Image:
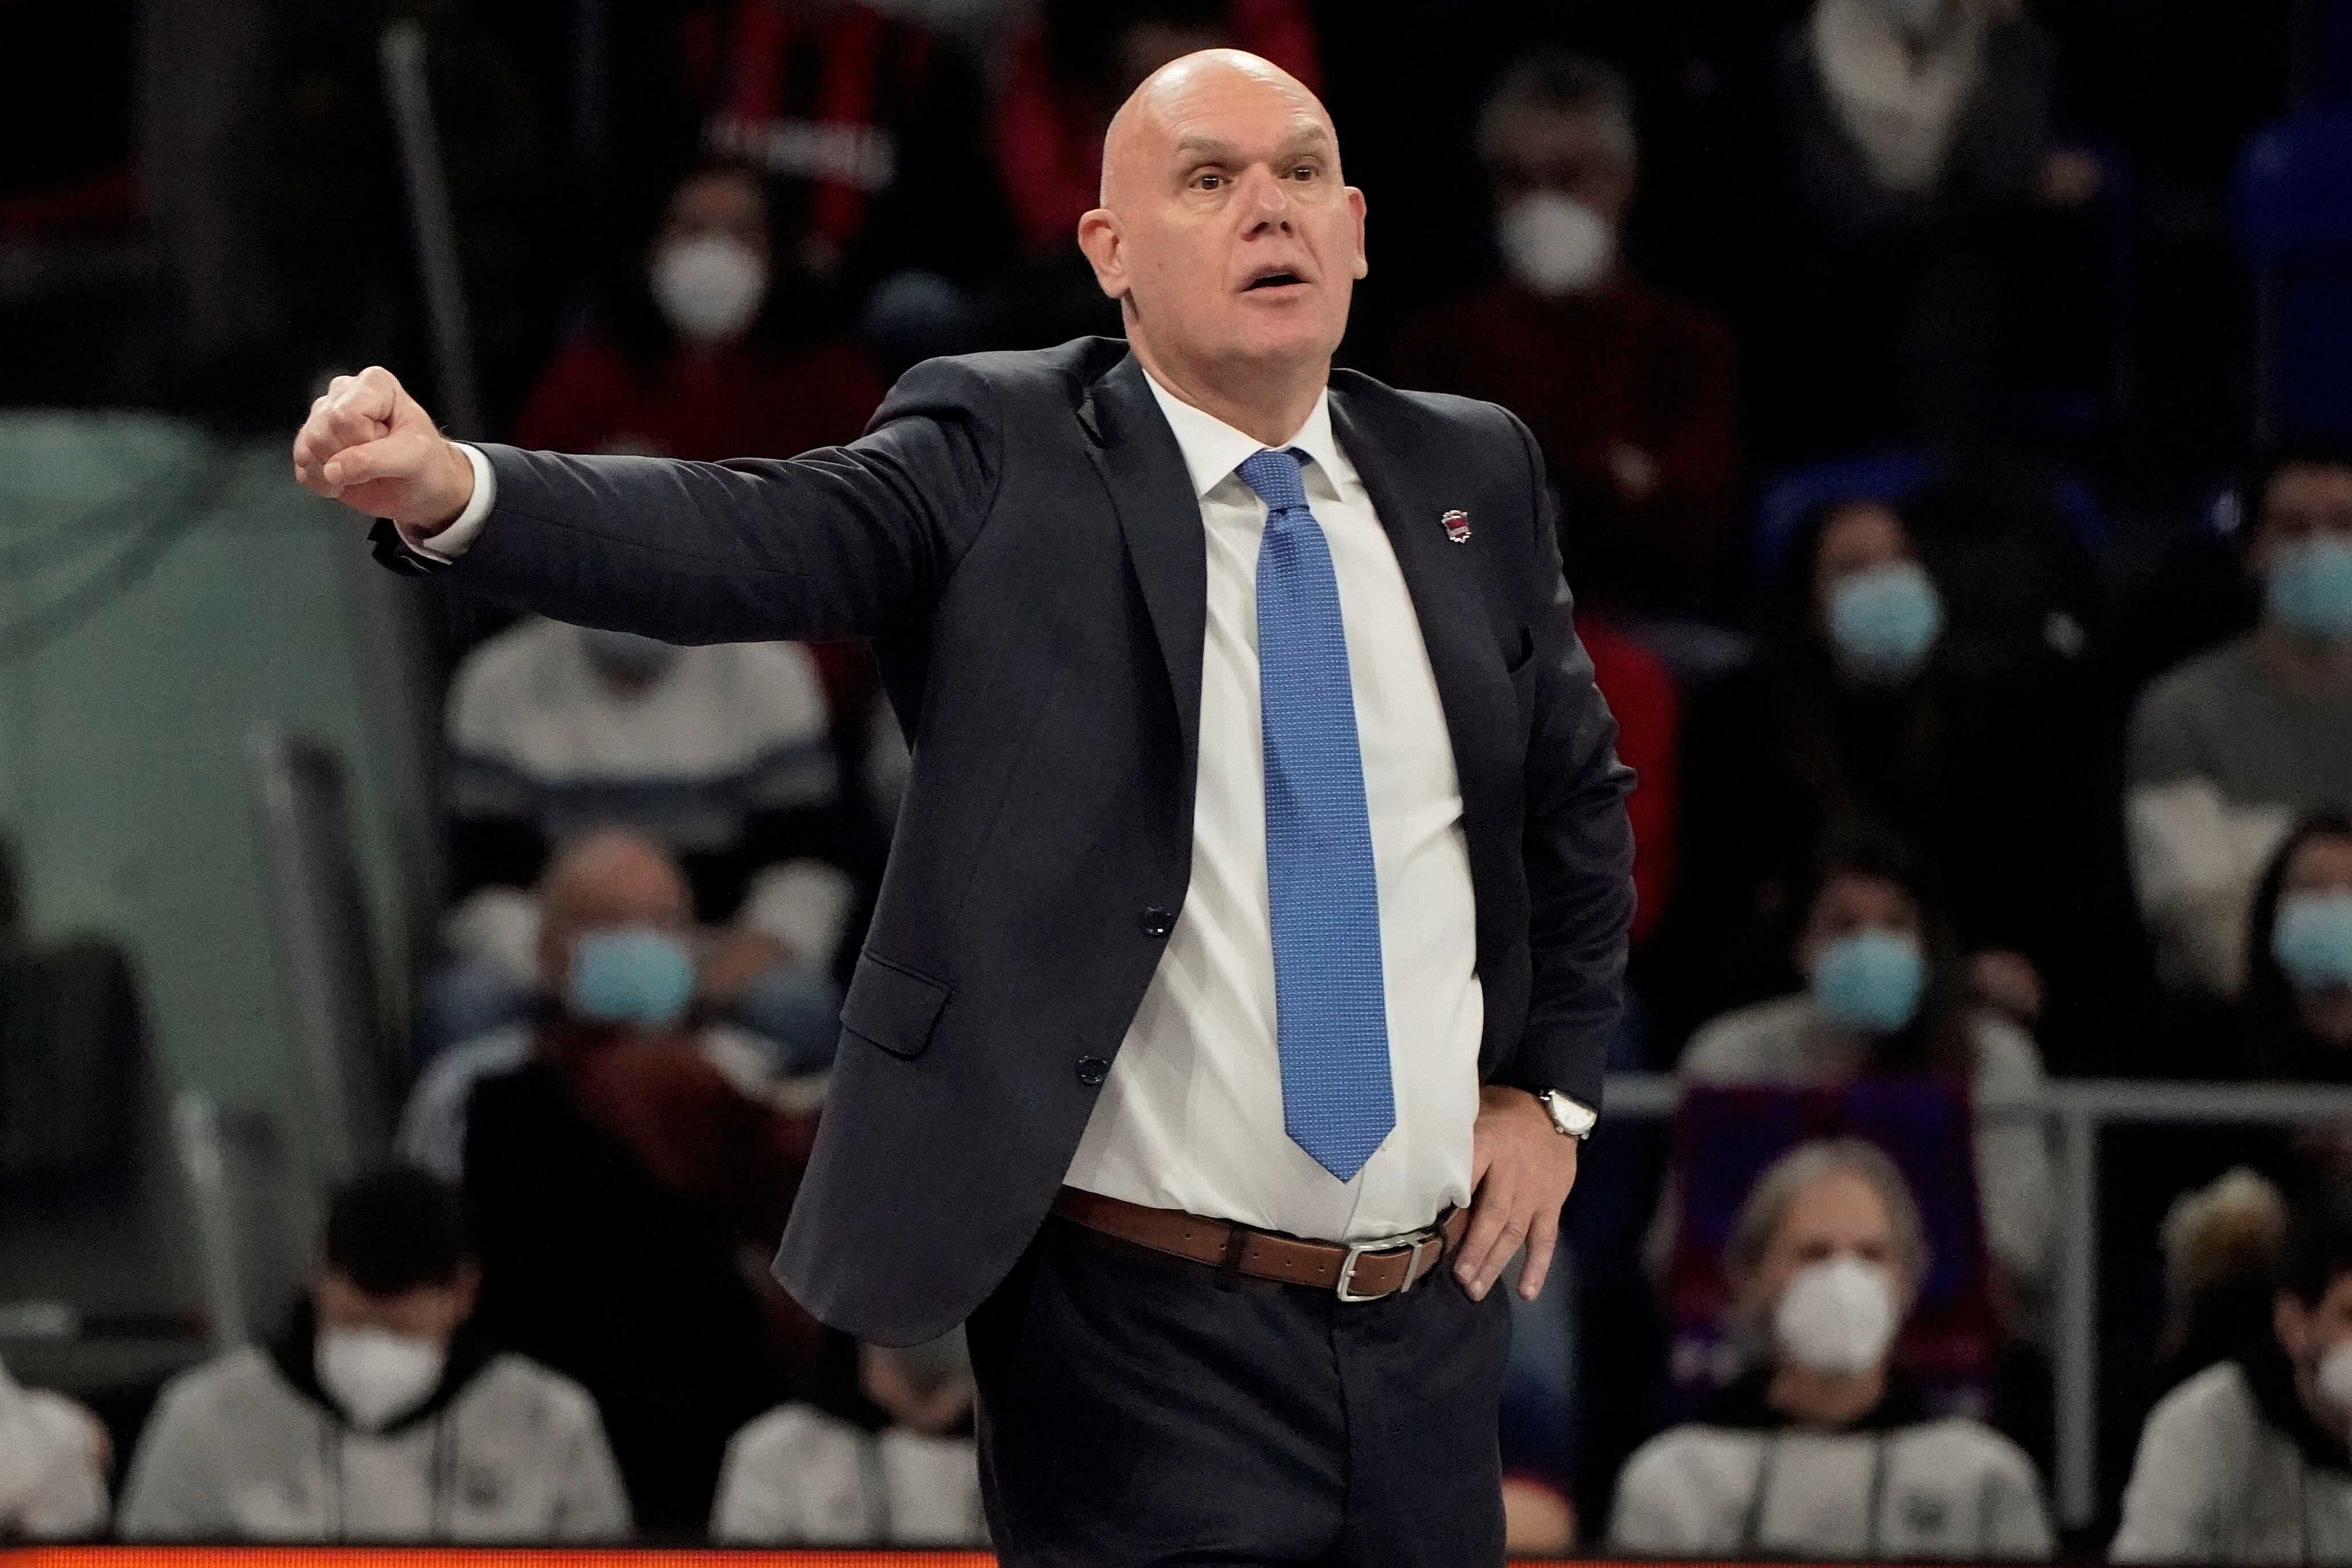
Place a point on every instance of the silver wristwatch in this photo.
(1569, 1117)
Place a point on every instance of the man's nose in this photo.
(1266, 201)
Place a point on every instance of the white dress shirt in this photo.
(1190, 1116)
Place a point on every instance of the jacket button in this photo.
(1092, 1070)
(1157, 922)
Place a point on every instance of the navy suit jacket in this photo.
(1018, 535)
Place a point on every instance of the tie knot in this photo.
(1276, 479)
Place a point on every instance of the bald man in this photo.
(1237, 994)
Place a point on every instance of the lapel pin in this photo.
(1457, 527)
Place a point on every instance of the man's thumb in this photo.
(390, 457)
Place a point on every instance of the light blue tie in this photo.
(1330, 999)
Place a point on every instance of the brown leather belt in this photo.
(1354, 1271)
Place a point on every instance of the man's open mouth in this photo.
(1272, 281)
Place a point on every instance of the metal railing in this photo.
(2077, 1111)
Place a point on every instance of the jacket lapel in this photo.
(1152, 492)
(1474, 687)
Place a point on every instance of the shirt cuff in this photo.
(458, 537)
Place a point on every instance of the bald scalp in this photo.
(607, 866)
(1141, 132)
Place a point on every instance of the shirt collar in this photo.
(1213, 450)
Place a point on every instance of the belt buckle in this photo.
(1411, 1241)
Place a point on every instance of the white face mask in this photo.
(1554, 246)
(2334, 1379)
(1837, 1316)
(708, 289)
(376, 1374)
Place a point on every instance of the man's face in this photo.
(1839, 1216)
(427, 1312)
(2304, 501)
(1565, 151)
(1227, 229)
(723, 203)
(2307, 1331)
(611, 884)
(1850, 902)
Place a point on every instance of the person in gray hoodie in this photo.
(1823, 1450)
(378, 1415)
(2247, 1461)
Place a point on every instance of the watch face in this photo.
(1571, 1118)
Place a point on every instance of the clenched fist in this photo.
(371, 447)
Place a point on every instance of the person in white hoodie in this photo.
(1823, 1450)
(378, 1415)
(801, 1476)
(53, 1463)
(2248, 1460)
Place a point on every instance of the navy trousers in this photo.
(1137, 1409)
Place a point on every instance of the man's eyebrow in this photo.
(1216, 150)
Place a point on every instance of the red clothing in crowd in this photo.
(1049, 134)
(1642, 694)
(737, 403)
(1624, 366)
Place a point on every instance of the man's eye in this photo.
(1209, 182)
(1304, 171)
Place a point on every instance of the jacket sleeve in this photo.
(173, 1491)
(594, 1505)
(2172, 1505)
(1579, 843)
(852, 541)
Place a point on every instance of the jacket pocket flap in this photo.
(893, 1008)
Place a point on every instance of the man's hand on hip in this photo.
(371, 447)
(1521, 1169)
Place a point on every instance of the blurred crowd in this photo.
(1989, 687)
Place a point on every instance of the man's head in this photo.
(615, 914)
(712, 257)
(2310, 1312)
(396, 1257)
(2299, 537)
(1827, 1256)
(1556, 139)
(1226, 231)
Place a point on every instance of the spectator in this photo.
(1882, 997)
(606, 886)
(799, 1477)
(620, 1165)
(380, 1414)
(2246, 1462)
(1632, 393)
(871, 132)
(53, 1461)
(722, 754)
(2221, 1244)
(2228, 750)
(1821, 1449)
(1919, 137)
(713, 347)
(1865, 703)
(2297, 1007)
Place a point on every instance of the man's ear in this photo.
(1098, 237)
(2291, 1321)
(1363, 256)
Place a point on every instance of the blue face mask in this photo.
(633, 976)
(2310, 589)
(2312, 940)
(1885, 620)
(1870, 982)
